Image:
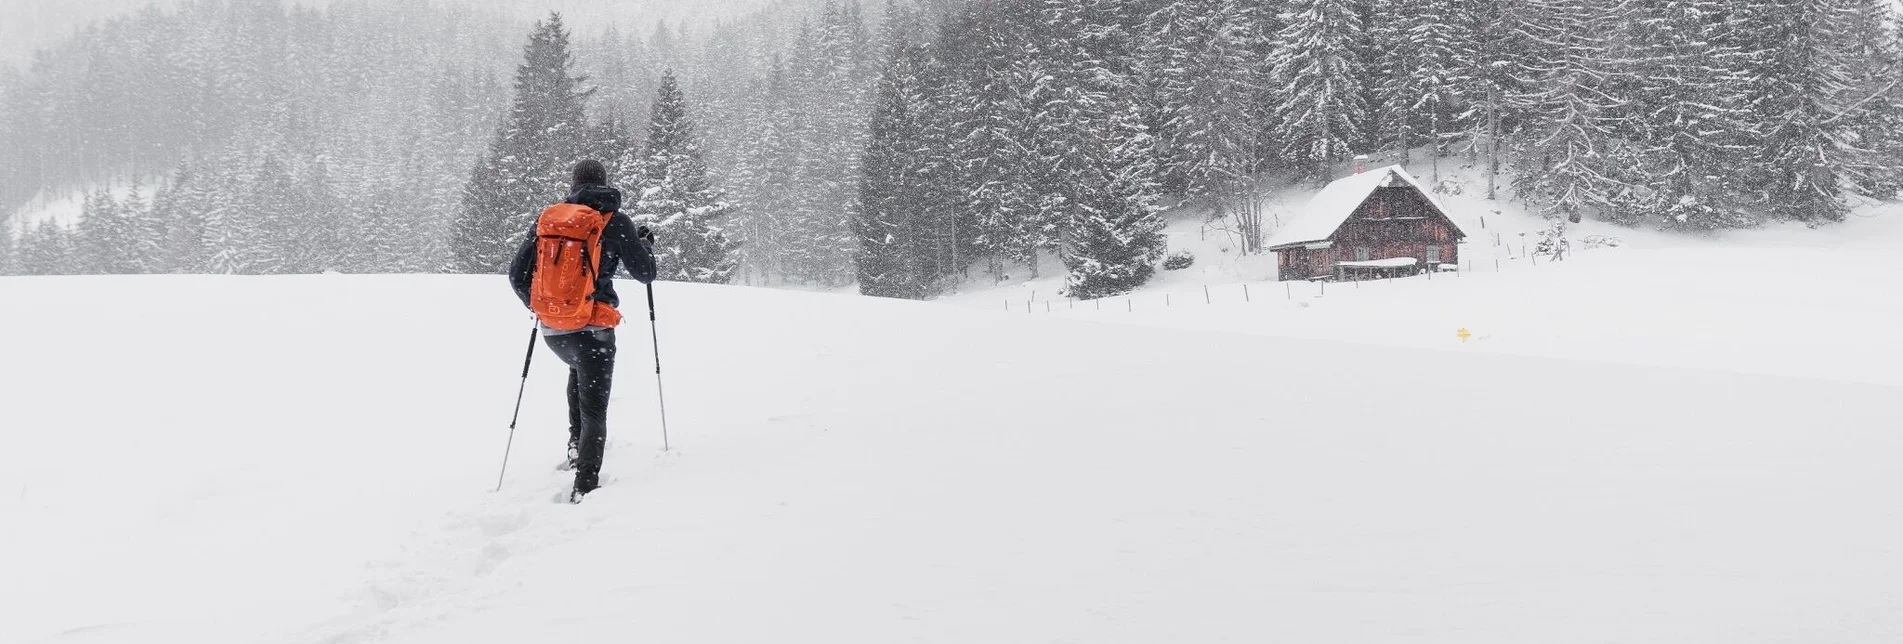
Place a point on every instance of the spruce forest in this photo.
(909, 147)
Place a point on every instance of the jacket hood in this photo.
(604, 199)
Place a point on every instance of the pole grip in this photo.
(530, 358)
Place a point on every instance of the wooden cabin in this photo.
(1373, 224)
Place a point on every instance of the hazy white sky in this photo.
(29, 24)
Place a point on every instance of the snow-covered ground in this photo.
(311, 460)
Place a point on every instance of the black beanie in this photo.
(590, 172)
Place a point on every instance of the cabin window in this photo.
(1361, 253)
(1433, 254)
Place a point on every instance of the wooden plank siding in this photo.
(1392, 222)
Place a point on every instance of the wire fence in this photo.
(1507, 258)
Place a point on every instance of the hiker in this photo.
(565, 273)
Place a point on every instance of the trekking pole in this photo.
(518, 408)
(659, 391)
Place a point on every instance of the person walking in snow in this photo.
(564, 272)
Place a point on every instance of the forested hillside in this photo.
(907, 146)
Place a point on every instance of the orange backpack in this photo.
(567, 259)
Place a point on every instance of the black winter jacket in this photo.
(619, 248)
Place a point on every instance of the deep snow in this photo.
(310, 459)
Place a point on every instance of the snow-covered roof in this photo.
(1335, 203)
(1392, 262)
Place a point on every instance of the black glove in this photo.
(644, 234)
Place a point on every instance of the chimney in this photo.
(1361, 163)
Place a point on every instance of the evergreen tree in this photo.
(1115, 239)
(1424, 103)
(1685, 118)
(275, 209)
(688, 215)
(180, 207)
(1875, 119)
(48, 249)
(769, 183)
(1497, 62)
(1566, 168)
(892, 222)
(9, 250)
(526, 167)
(992, 138)
(1801, 83)
(1317, 71)
(236, 240)
(1208, 89)
(1100, 161)
(104, 237)
(146, 245)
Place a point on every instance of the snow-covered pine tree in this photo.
(48, 249)
(1496, 62)
(770, 185)
(838, 108)
(179, 207)
(1316, 72)
(1564, 165)
(104, 236)
(1682, 125)
(9, 249)
(236, 241)
(1114, 236)
(1098, 159)
(1876, 116)
(674, 197)
(1801, 89)
(147, 237)
(1207, 83)
(950, 224)
(1384, 54)
(989, 145)
(890, 223)
(1423, 102)
(276, 208)
(526, 167)
(335, 236)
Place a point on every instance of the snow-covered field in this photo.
(311, 460)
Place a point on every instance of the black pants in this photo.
(591, 369)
